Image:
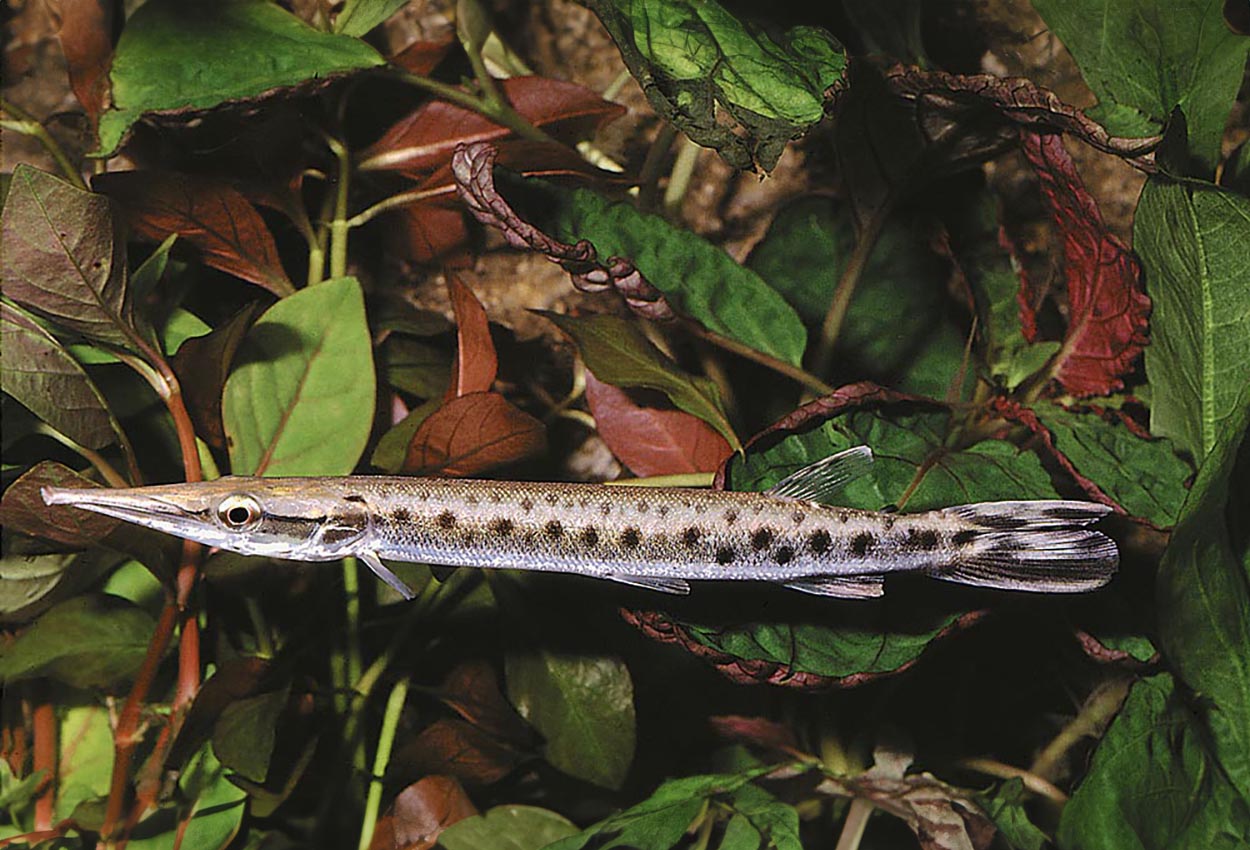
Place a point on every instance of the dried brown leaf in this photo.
(420, 813)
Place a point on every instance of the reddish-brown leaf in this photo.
(420, 813)
(422, 57)
(471, 690)
(476, 362)
(210, 214)
(202, 365)
(458, 748)
(428, 232)
(471, 434)
(426, 138)
(22, 509)
(84, 28)
(757, 732)
(1107, 310)
(649, 435)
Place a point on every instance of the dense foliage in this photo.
(313, 242)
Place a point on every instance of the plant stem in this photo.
(679, 177)
(1032, 781)
(791, 371)
(338, 224)
(351, 673)
(264, 641)
(401, 200)
(44, 755)
(28, 126)
(831, 327)
(107, 471)
(1097, 711)
(502, 113)
(855, 824)
(649, 174)
(386, 740)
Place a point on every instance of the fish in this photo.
(655, 538)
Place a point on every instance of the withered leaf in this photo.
(210, 214)
(471, 434)
(650, 436)
(84, 28)
(420, 812)
(476, 361)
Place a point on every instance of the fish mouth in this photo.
(122, 504)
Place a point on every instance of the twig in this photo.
(403, 199)
(835, 317)
(1098, 710)
(107, 471)
(44, 755)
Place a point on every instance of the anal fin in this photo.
(383, 572)
(844, 587)
(677, 586)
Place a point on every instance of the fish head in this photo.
(307, 519)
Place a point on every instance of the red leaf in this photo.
(471, 690)
(452, 746)
(756, 732)
(422, 57)
(22, 508)
(653, 438)
(211, 215)
(476, 362)
(428, 232)
(202, 365)
(1107, 310)
(471, 434)
(426, 138)
(84, 28)
(420, 813)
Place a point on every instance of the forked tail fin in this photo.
(1043, 547)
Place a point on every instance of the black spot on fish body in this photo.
(963, 538)
(798, 517)
(496, 496)
(631, 538)
(554, 529)
(663, 511)
(923, 539)
(844, 516)
(783, 555)
(642, 506)
(690, 537)
(354, 497)
(502, 526)
(551, 499)
(888, 522)
(471, 499)
(724, 555)
(590, 537)
(527, 505)
(762, 539)
(819, 542)
(731, 517)
(401, 515)
(605, 508)
(446, 520)
(862, 543)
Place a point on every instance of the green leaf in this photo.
(661, 821)
(36, 370)
(583, 705)
(1192, 238)
(507, 828)
(695, 61)
(698, 278)
(619, 353)
(1204, 596)
(244, 735)
(1102, 451)
(29, 585)
(1005, 807)
(178, 56)
(85, 762)
(416, 367)
(897, 332)
(88, 641)
(61, 259)
(1143, 58)
(1152, 786)
(360, 16)
(301, 400)
(217, 808)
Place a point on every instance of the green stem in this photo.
(264, 641)
(791, 371)
(338, 224)
(1095, 714)
(28, 126)
(107, 471)
(683, 170)
(649, 174)
(501, 113)
(403, 199)
(835, 317)
(386, 741)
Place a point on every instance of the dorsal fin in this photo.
(823, 478)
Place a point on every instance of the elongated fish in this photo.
(649, 537)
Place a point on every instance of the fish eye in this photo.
(239, 512)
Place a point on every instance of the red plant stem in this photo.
(44, 723)
(126, 737)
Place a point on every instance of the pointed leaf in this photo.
(84, 28)
(202, 365)
(38, 372)
(61, 259)
(22, 508)
(650, 438)
(210, 214)
(461, 750)
(508, 828)
(175, 57)
(471, 434)
(420, 813)
(244, 736)
(211, 818)
(301, 400)
(85, 757)
(476, 362)
(358, 17)
(620, 354)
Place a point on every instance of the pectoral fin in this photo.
(381, 571)
(677, 586)
(845, 587)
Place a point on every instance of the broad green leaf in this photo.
(584, 707)
(182, 326)
(392, 448)
(698, 278)
(507, 828)
(30, 585)
(86, 757)
(1105, 451)
(360, 16)
(618, 353)
(87, 641)
(897, 332)
(661, 821)
(61, 259)
(696, 61)
(416, 367)
(179, 56)
(1152, 786)
(217, 808)
(244, 735)
(38, 372)
(1192, 238)
(1005, 807)
(1204, 596)
(1143, 58)
(300, 402)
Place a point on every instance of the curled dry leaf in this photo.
(471, 434)
(953, 102)
(210, 214)
(1107, 310)
(473, 167)
(420, 812)
(650, 436)
(476, 362)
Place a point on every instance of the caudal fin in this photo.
(1043, 547)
